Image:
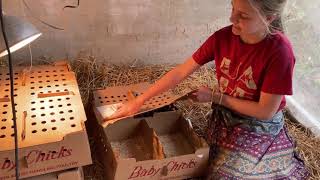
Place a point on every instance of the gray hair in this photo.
(270, 8)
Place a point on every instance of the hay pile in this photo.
(92, 75)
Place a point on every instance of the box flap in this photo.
(107, 100)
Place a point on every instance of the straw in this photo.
(92, 75)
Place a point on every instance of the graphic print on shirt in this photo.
(225, 66)
(246, 79)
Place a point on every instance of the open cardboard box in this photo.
(50, 121)
(163, 146)
(70, 174)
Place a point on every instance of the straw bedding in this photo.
(92, 75)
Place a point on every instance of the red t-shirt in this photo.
(244, 70)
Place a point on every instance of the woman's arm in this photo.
(262, 110)
(171, 79)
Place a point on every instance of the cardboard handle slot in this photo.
(23, 134)
(4, 99)
(45, 95)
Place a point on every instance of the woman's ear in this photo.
(271, 18)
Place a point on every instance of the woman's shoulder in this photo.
(280, 43)
(227, 30)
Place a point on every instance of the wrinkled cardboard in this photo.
(71, 174)
(107, 100)
(180, 163)
(50, 121)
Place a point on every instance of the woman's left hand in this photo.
(205, 94)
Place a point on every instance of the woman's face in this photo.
(246, 20)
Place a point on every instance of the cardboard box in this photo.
(107, 100)
(160, 147)
(50, 121)
(70, 174)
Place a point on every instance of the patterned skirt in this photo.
(246, 148)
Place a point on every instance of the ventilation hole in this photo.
(33, 102)
(3, 127)
(61, 112)
(51, 106)
(62, 119)
(41, 101)
(49, 91)
(47, 81)
(5, 112)
(101, 102)
(32, 93)
(53, 120)
(64, 84)
(4, 120)
(124, 96)
(118, 96)
(69, 104)
(56, 85)
(40, 87)
(52, 113)
(54, 128)
(73, 125)
(6, 105)
(34, 131)
(33, 116)
(59, 99)
(34, 123)
(59, 105)
(50, 100)
(44, 130)
(42, 108)
(67, 98)
(43, 114)
(2, 136)
(48, 86)
(106, 97)
(12, 135)
(71, 118)
(58, 90)
(43, 122)
(40, 81)
(112, 96)
(32, 109)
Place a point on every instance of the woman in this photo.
(254, 64)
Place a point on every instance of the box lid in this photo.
(107, 100)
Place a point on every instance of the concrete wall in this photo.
(152, 31)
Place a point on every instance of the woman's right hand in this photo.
(127, 109)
